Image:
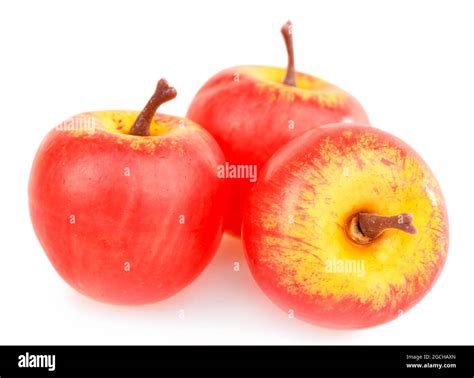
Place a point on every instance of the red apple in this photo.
(346, 227)
(254, 110)
(128, 206)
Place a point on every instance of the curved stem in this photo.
(363, 228)
(163, 93)
(287, 31)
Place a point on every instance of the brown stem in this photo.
(163, 93)
(287, 31)
(363, 228)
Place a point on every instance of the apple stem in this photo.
(287, 31)
(365, 227)
(163, 93)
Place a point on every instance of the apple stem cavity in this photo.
(287, 31)
(163, 93)
(363, 228)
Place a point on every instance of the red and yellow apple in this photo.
(254, 110)
(127, 205)
(346, 227)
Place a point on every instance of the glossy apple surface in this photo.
(296, 222)
(123, 218)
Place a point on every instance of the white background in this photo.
(410, 63)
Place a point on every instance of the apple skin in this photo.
(294, 225)
(255, 115)
(120, 238)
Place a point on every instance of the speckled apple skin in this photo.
(295, 218)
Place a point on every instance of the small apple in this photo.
(346, 227)
(254, 110)
(127, 205)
